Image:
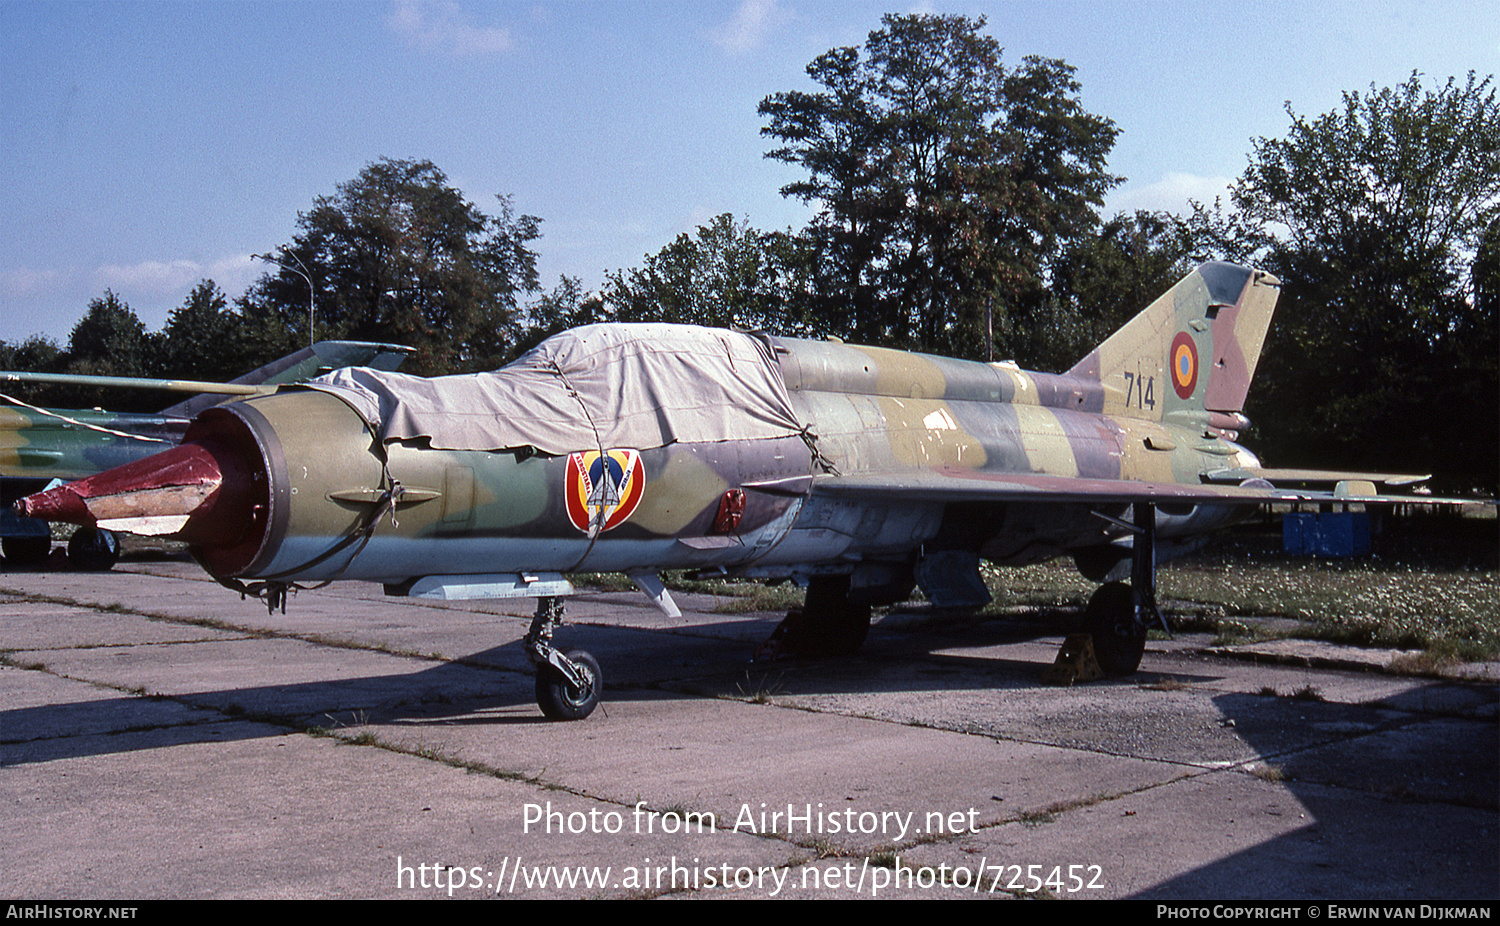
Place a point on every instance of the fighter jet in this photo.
(40, 445)
(859, 472)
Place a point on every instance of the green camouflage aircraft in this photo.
(39, 445)
(856, 471)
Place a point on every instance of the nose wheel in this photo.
(561, 697)
(568, 684)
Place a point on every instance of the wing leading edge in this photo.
(960, 486)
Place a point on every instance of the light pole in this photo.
(301, 271)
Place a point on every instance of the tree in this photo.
(566, 306)
(1413, 170)
(1373, 216)
(203, 339)
(945, 181)
(1487, 275)
(36, 354)
(726, 274)
(265, 330)
(110, 338)
(1101, 281)
(399, 255)
(110, 341)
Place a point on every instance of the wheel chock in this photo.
(1075, 662)
(786, 639)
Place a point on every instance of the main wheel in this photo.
(93, 550)
(1119, 639)
(832, 624)
(560, 700)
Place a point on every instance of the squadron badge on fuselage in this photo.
(603, 489)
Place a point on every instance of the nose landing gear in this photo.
(568, 685)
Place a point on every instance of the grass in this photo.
(1435, 589)
(759, 693)
(762, 598)
(1037, 817)
(1163, 684)
(1433, 586)
(1307, 693)
(739, 597)
(1268, 772)
(7, 659)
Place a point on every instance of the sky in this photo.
(154, 145)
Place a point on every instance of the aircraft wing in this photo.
(297, 367)
(1308, 478)
(132, 382)
(38, 444)
(960, 485)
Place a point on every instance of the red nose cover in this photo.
(198, 492)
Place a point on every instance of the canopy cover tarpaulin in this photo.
(606, 386)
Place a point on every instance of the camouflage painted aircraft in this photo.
(39, 445)
(637, 448)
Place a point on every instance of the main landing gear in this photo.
(568, 685)
(92, 549)
(830, 622)
(1118, 615)
(89, 550)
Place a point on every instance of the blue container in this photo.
(1327, 534)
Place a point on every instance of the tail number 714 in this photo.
(1140, 391)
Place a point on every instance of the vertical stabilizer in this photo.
(1192, 350)
(303, 365)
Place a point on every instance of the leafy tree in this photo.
(726, 274)
(945, 181)
(265, 333)
(1101, 281)
(110, 338)
(203, 339)
(1373, 216)
(1415, 170)
(1487, 275)
(566, 306)
(399, 255)
(36, 354)
(110, 341)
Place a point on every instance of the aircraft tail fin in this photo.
(1192, 350)
(303, 365)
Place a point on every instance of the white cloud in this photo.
(753, 21)
(50, 301)
(1169, 194)
(25, 282)
(151, 276)
(234, 274)
(168, 278)
(443, 26)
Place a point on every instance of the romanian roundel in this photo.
(1184, 361)
(603, 489)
